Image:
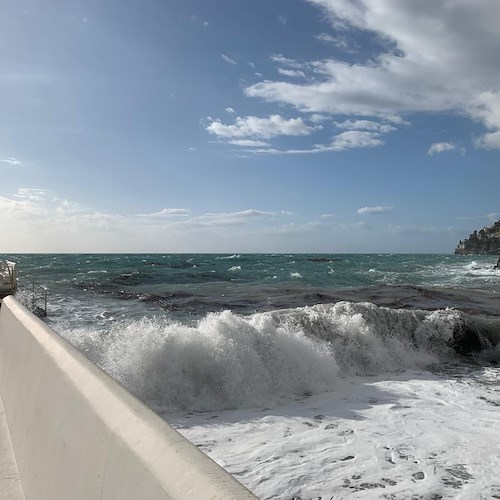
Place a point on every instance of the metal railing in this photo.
(38, 298)
(29, 292)
(33, 296)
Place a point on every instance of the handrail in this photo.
(32, 293)
(38, 294)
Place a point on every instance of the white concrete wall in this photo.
(77, 434)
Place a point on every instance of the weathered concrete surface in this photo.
(77, 434)
(10, 484)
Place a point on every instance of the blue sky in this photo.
(235, 126)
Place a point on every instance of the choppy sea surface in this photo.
(305, 376)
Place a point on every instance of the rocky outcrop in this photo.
(485, 242)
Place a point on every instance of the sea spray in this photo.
(224, 361)
(228, 361)
(367, 339)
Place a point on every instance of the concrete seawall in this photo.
(77, 434)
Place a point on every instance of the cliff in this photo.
(486, 242)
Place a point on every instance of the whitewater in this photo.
(303, 376)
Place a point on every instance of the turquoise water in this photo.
(190, 285)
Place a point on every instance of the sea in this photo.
(306, 376)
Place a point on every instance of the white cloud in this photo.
(228, 59)
(490, 140)
(282, 20)
(167, 212)
(285, 61)
(355, 139)
(383, 128)
(381, 209)
(38, 220)
(265, 128)
(34, 194)
(339, 41)
(435, 56)
(492, 217)
(229, 218)
(318, 118)
(242, 213)
(441, 147)
(350, 139)
(249, 143)
(12, 161)
(229, 110)
(293, 73)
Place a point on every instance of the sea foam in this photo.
(229, 361)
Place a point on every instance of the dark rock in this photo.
(467, 339)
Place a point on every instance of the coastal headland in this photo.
(483, 242)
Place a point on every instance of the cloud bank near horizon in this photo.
(40, 220)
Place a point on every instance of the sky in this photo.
(248, 125)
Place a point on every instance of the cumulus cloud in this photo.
(381, 209)
(293, 73)
(490, 140)
(264, 128)
(355, 139)
(441, 147)
(230, 110)
(228, 59)
(383, 128)
(434, 56)
(318, 118)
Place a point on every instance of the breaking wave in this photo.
(225, 360)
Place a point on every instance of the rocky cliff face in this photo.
(486, 242)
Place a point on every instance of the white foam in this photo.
(290, 416)
(224, 361)
(229, 361)
(415, 435)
